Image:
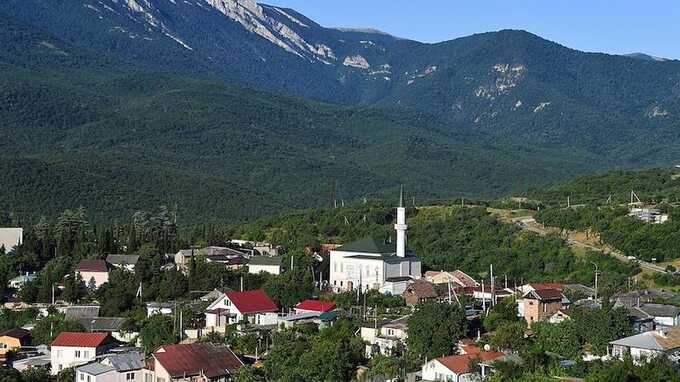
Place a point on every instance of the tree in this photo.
(434, 329)
(156, 331)
(290, 287)
(74, 288)
(67, 375)
(509, 336)
(54, 323)
(247, 373)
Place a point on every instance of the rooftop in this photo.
(371, 244)
(95, 368)
(252, 301)
(122, 259)
(88, 265)
(17, 333)
(266, 260)
(125, 361)
(193, 359)
(653, 340)
(102, 324)
(81, 339)
(316, 305)
(460, 364)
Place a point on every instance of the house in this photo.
(541, 304)
(113, 325)
(368, 263)
(663, 341)
(14, 339)
(253, 306)
(230, 257)
(75, 312)
(660, 314)
(71, 349)
(126, 367)
(384, 337)
(456, 368)
(456, 278)
(314, 306)
(40, 357)
(559, 316)
(320, 319)
(421, 291)
(127, 262)
(165, 308)
(21, 280)
(648, 215)
(10, 238)
(93, 272)
(395, 286)
(192, 362)
(267, 264)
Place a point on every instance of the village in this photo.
(376, 283)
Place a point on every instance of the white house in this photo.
(126, 367)
(385, 337)
(93, 272)
(370, 262)
(72, 349)
(456, 368)
(253, 306)
(267, 264)
(11, 238)
(21, 280)
(648, 344)
(164, 308)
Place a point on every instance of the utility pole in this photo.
(483, 299)
(493, 287)
(596, 274)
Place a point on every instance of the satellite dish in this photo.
(487, 347)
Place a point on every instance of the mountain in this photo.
(509, 84)
(646, 57)
(259, 107)
(80, 129)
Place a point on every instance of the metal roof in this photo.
(126, 361)
(95, 368)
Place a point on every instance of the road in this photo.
(618, 255)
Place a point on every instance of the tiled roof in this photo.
(557, 286)
(422, 289)
(79, 339)
(459, 364)
(465, 278)
(316, 305)
(92, 266)
(653, 340)
(17, 333)
(194, 359)
(252, 301)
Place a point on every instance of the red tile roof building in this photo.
(252, 301)
(92, 266)
(77, 339)
(182, 361)
(315, 306)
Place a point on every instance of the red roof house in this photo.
(314, 306)
(92, 266)
(182, 361)
(233, 307)
(78, 339)
(455, 366)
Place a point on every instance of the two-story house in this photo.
(541, 304)
(93, 272)
(385, 337)
(125, 367)
(253, 306)
(14, 339)
(72, 349)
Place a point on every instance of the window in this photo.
(340, 283)
(159, 379)
(60, 367)
(60, 353)
(130, 376)
(82, 376)
(86, 353)
(227, 302)
(88, 378)
(77, 353)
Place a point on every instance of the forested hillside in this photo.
(81, 130)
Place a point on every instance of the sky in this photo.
(610, 26)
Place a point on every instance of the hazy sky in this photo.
(612, 26)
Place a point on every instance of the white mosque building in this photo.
(371, 262)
